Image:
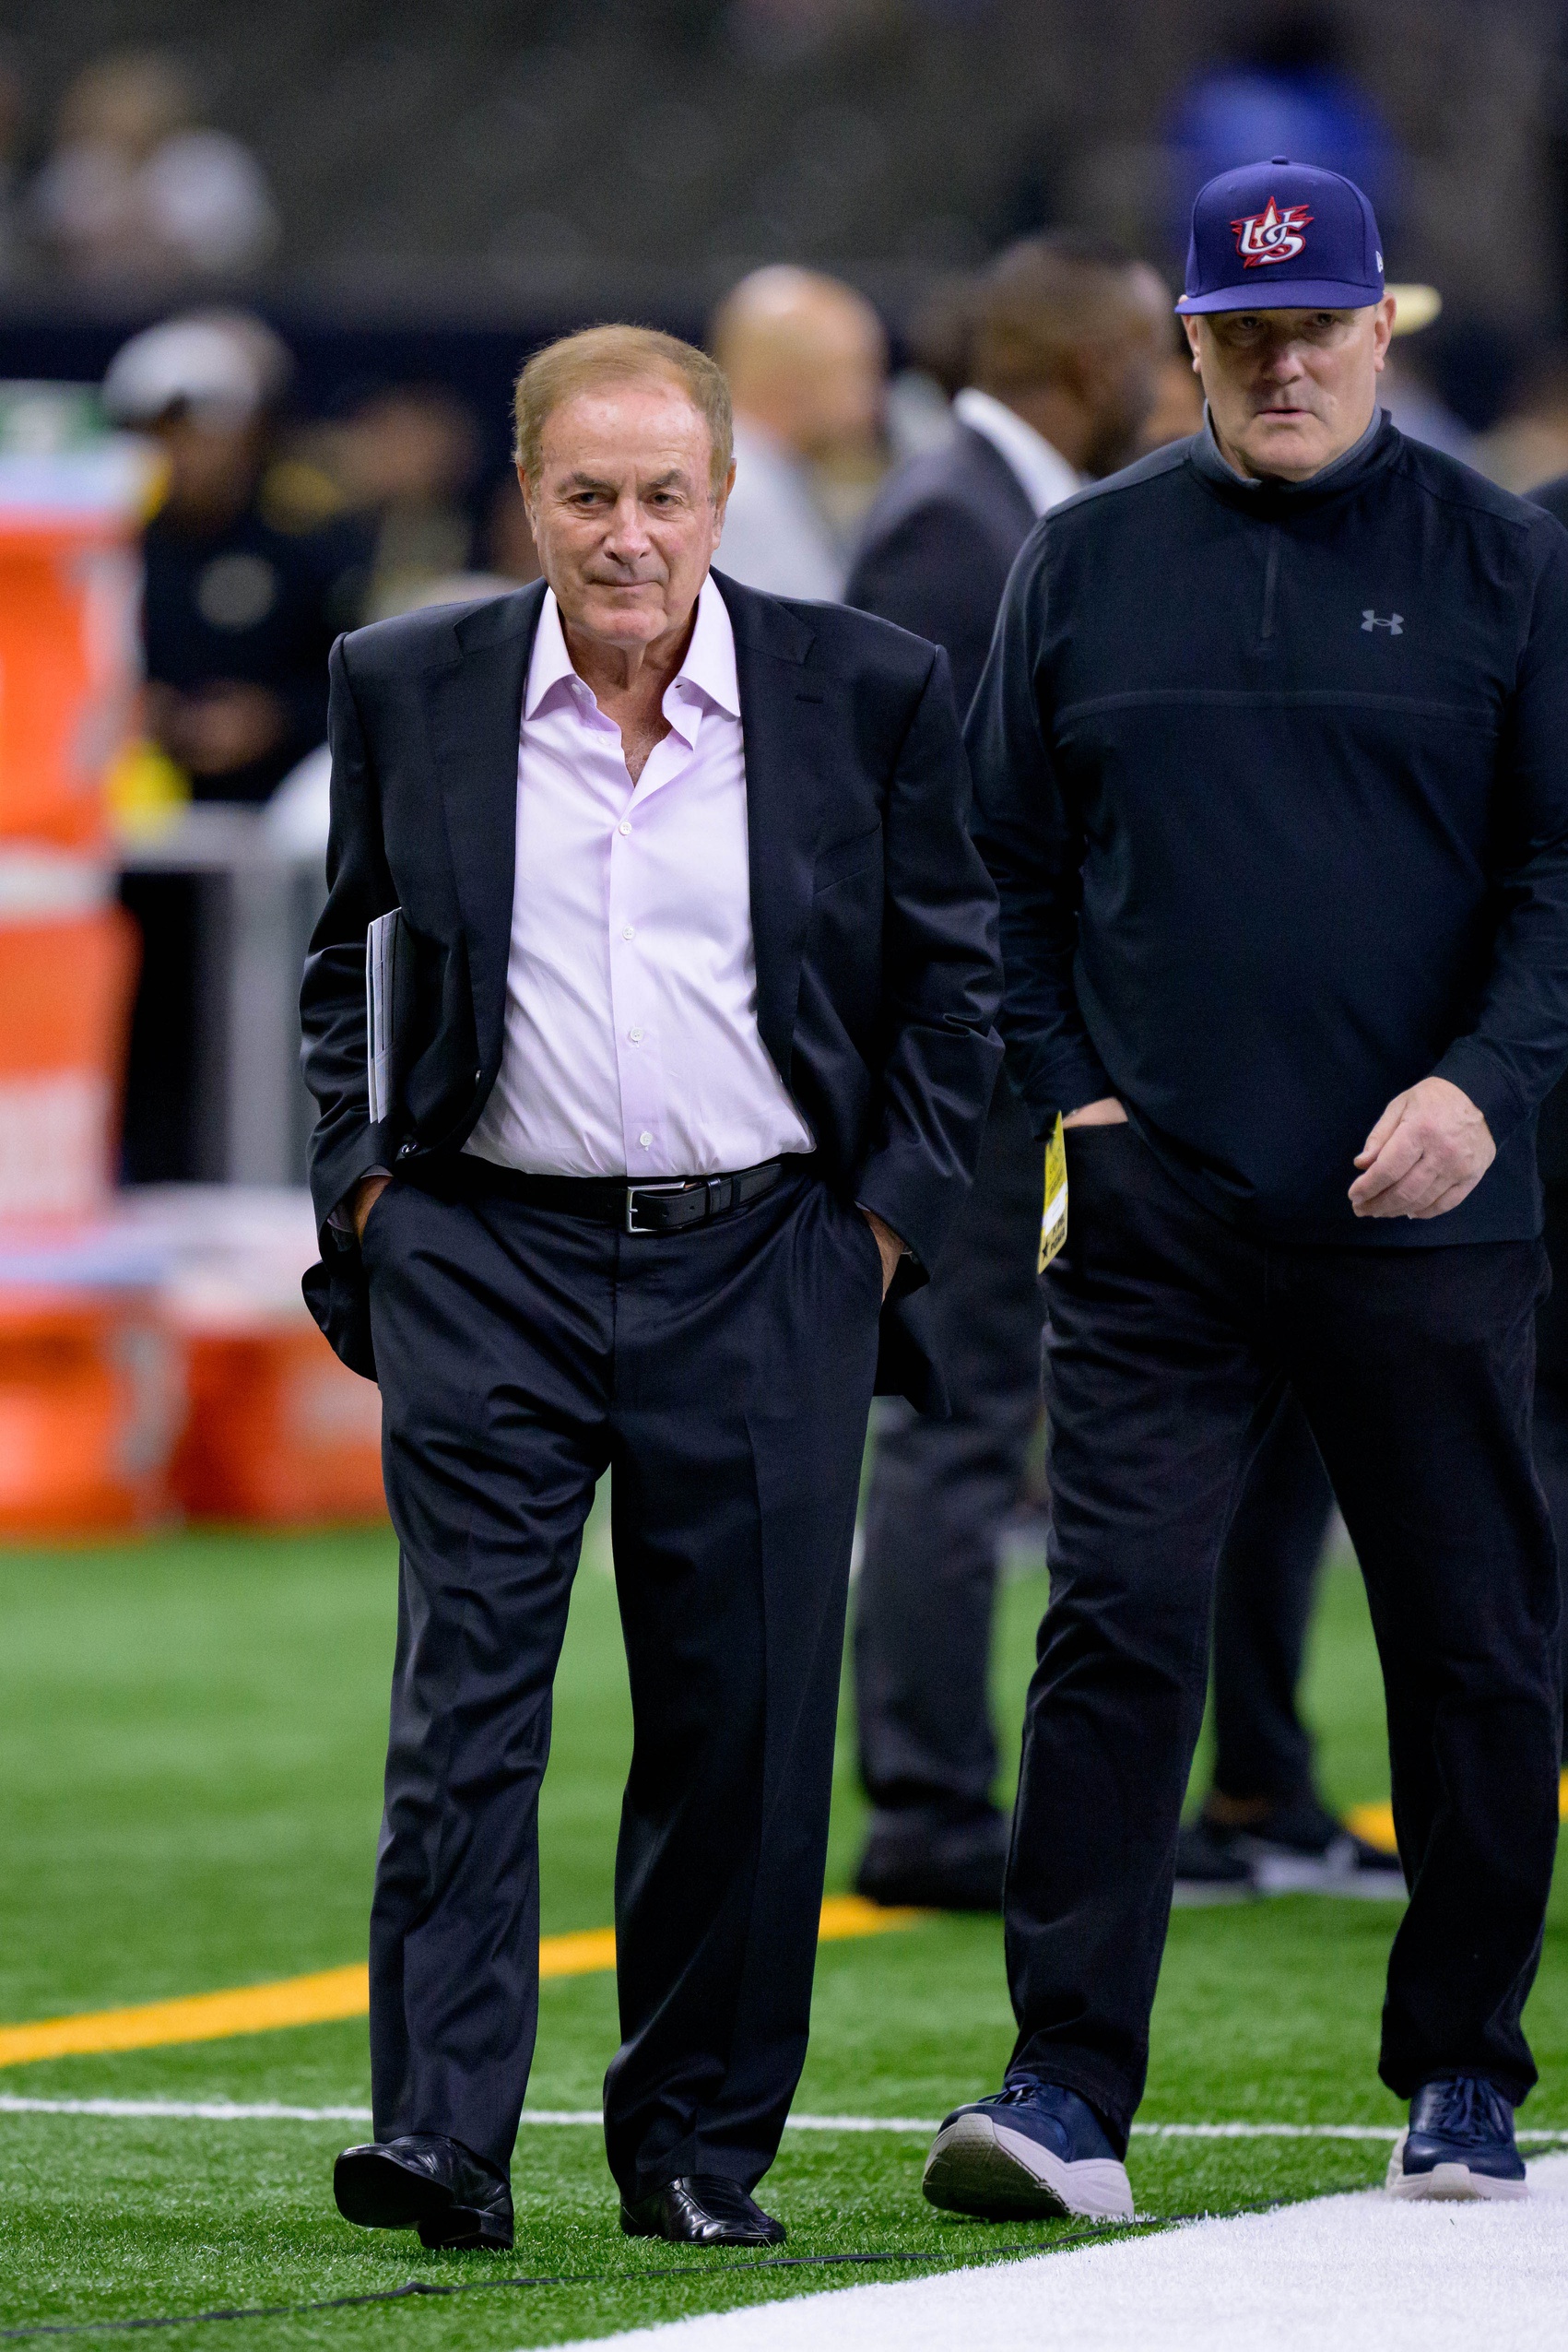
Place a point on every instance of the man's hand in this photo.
(1106, 1112)
(367, 1192)
(887, 1243)
(1427, 1152)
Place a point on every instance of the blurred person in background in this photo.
(240, 607)
(1177, 412)
(1528, 443)
(806, 361)
(1063, 338)
(13, 125)
(1286, 86)
(137, 186)
(405, 458)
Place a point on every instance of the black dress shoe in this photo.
(929, 1866)
(423, 2182)
(701, 2209)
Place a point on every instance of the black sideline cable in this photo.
(416, 2287)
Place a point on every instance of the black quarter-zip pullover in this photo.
(1273, 781)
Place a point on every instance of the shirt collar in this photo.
(1211, 459)
(1044, 474)
(709, 669)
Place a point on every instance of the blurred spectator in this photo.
(405, 459)
(806, 359)
(13, 119)
(509, 543)
(920, 396)
(240, 612)
(1408, 392)
(1177, 412)
(1529, 443)
(136, 184)
(1286, 89)
(1062, 352)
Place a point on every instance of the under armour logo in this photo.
(1394, 623)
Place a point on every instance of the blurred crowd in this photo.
(133, 186)
(277, 530)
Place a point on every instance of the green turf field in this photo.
(189, 1749)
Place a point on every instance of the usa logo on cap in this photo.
(1271, 235)
(1283, 236)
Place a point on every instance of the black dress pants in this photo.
(1263, 1595)
(939, 1492)
(1171, 1337)
(723, 1374)
(1551, 1392)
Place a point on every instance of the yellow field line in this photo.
(334, 1992)
(1375, 1823)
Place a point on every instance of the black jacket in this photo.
(936, 549)
(874, 921)
(1274, 784)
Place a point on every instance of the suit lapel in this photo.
(477, 715)
(783, 721)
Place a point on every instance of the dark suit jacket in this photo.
(874, 921)
(936, 549)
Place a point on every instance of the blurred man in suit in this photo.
(806, 361)
(1067, 338)
(691, 1050)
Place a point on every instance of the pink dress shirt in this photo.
(632, 1046)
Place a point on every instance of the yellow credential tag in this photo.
(1053, 1218)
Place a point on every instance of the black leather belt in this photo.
(662, 1207)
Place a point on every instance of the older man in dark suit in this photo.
(683, 1048)
(1066, 339)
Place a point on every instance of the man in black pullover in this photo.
(1271, 770)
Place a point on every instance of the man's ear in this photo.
(527, 501)
(1382, 331)
(1190, 329)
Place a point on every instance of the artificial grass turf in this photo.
(190, 1739)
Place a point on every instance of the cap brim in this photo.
(1284, 294)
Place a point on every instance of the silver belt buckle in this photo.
(670, 1183)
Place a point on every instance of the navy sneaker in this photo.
(1459, 2144)
(1034, 2152)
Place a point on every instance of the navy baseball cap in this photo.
(1283, 236)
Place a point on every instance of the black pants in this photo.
(1171, 1337)
(1551, 1393)
(1263, 1593)
(939, 1492)
(725, 1375)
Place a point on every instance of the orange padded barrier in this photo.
(66, 983)
(68, 671)
(90, 1399)
(280, 1434)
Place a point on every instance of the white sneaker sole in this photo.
(1446, 2183)
(978, 2166)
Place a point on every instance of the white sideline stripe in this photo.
(1361, 2273)
(223, 2110)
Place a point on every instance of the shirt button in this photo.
(635, 1036)
(623, 826)
(644, 1139)
(629, 931)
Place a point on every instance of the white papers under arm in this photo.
(381, 948)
